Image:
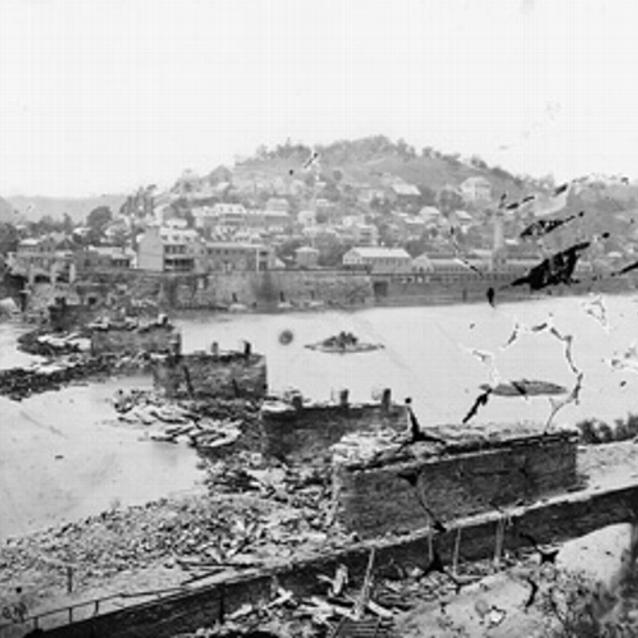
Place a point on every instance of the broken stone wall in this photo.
(376, 500)
(131, 342)
(206, 376)
(305, 433)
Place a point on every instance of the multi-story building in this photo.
(167, 249)
(43, 258)
(272, 220)
(230, 256)
(229, 217)
(378, 260)
(364, 234)
(278, 203)
(476, 189)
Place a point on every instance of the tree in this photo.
(45, 225)
(8, 238)
(478, 162)
(99, 218)
(448, 200)
(286, 251)
(331, 251)
(67, 224)
(427, 197)
(321, 217)
(120, 236)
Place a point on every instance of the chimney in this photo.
(214, 349)
(386, 399)
(297, 401)
(343, 398)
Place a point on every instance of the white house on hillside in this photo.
(476, 189)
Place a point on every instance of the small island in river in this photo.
(344, 343)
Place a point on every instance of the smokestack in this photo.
(343, 398)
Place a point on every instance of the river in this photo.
(63, 457)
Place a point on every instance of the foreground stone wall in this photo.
(304, 433)
(206, 376)
(571, 516)
(376, 500)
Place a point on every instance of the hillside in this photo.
(7, 213)
(34, 208)
(366, 161)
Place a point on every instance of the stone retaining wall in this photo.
(376, 500)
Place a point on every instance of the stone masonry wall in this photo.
(305, 434)
(376, 501)
(257, 290)
(121, 341)
(206, 376)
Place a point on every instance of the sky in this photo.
(106, 95)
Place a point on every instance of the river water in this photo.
(63, 457)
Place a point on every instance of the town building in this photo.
(367, 194)
(278, 203)
(231, 256)
(46, 258)
(364, 234)
(448, 266)
(169, 249)
(271, 220)
(403, 190)
(104, 258)
(229, 217)
(476, 189)
(378, 260)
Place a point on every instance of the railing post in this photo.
(96, 609)
(70, 614)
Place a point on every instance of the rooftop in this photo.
(374, 252)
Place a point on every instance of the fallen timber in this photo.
(554, 519)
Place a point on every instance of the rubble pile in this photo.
(206, 425)
(253, 515)
(19, 383)
(377, 606)
(47, 344)
(52, 374)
